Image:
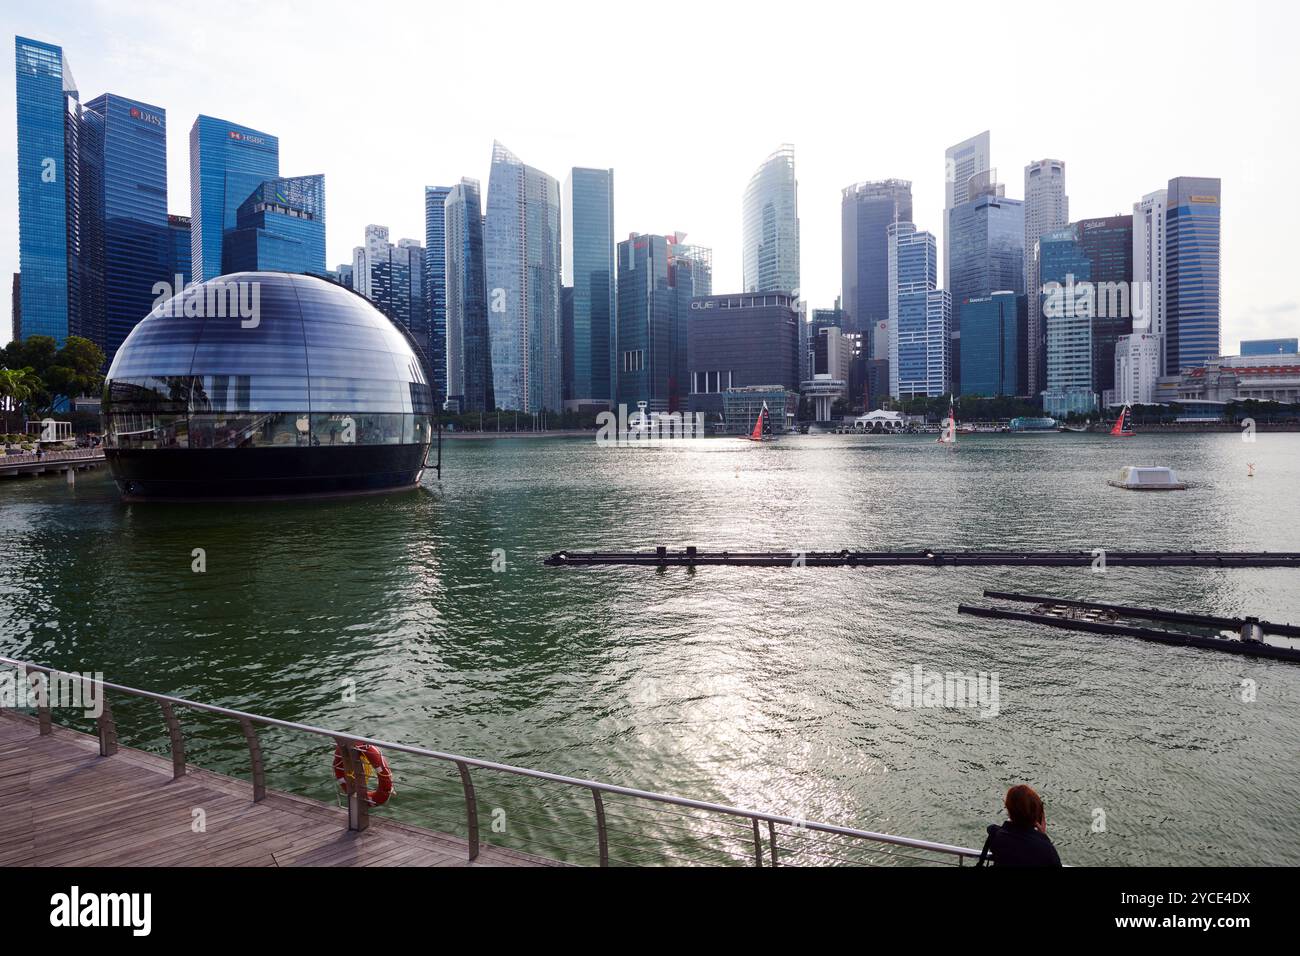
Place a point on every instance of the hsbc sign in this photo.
(246, 138)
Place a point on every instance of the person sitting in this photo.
(1022, 840)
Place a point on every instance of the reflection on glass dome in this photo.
(315, 392)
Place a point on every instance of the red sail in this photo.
(1122, 427)
(757, 434)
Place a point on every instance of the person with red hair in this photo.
(1022, 840)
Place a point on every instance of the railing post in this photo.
(42, 689)
(106, 727)
(758, 845)
(255, 756)
(771, 836)
(355, 775)
(602, 835)
(471, 809)
(178, 739)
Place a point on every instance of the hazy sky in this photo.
(685, 100)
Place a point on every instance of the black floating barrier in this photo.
(1177, 638)
(661, 557)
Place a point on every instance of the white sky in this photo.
(684, 100)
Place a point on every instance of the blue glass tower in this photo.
(1191, 272)
(993, 359)
(521, 239)
(469, 351)
(589, 269)
(178, 231)
(132, 201)
(46, 184)
(435, 285)
(920, 315)
(279, 227)
(986, 239)
(1065, 270)
(227, 162)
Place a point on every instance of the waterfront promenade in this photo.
(65, 805)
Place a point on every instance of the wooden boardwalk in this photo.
(64, 805)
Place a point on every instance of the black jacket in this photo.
(1015, 845)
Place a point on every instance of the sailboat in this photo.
(948, 435)
(762, 426)
(1123, 427)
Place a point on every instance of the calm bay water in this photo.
(768, 688)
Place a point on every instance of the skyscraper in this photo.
(920, 316)
(227, 162)
(130, 201)
(658, 276)
(435, 285)
(994, 357)
(1066, 274)
(986, 235)
(279, 227)
(1148, 263)
(1047, 208)
(47, 183)
(392, 277)
(178, 233)
(1192, 304)
(770, 235)
(469, 352)
(969, 158)
(866, 212)
(522, 258)
(1108, 244)
(590, 271)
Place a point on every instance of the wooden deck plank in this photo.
(67, 806)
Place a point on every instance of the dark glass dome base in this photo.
(224, 474)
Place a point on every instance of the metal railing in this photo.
(770, 837)
(78, 454)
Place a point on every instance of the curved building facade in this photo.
(264, 384)
(771, 226)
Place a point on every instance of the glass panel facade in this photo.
(320, 366)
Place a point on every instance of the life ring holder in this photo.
(371, 760)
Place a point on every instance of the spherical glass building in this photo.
(265, 385)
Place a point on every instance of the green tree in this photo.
(17, 385)
(76, 368)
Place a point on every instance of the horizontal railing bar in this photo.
(510, 769)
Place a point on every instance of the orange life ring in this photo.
(372, 761)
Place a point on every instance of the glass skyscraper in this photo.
(227, 162)
(866, 212)
(47, 105)
(1068, 312)
(178, 234)
(993, 361)
(435, 285)
(770, 237)
(1191, 272)
(131, 151)
(658, 276)
(522, 260)
(986, 236)
(1108, 244)
(969, 159)
(279, 227)
(920, 315)
(589, 269)
(1047, 208)
(469, 352)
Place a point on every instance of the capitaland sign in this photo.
(146, 117)
(1210, 199)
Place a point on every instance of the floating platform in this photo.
(692, 557)
(1101, 618)
(1157, 478)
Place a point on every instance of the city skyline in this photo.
(378, 170)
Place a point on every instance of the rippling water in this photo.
(768, 688)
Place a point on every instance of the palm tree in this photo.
(17, 386)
